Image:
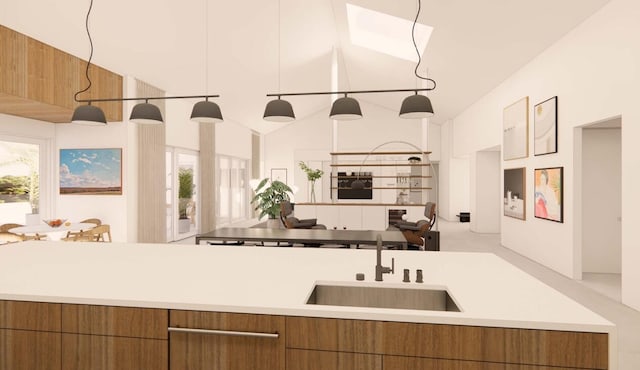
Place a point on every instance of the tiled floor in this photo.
(598, 292)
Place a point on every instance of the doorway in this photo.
(601, 222)
(182, 193)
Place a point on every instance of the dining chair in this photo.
(5, 234)
(95, 221)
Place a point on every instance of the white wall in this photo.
(111, 209)
(454, 178)
(593, 71)
(233, 139)
(602, 203)
(485, 196)
(181, 132)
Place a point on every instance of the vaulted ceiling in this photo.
(475, 45)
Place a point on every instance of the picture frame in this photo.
(515, 130)
(91, 171)
(549, 193)
(545, 127)
(279, 174)
(515, 193)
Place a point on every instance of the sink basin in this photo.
(429, 299)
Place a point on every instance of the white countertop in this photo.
(271, 280)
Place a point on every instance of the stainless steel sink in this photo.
(383, 297)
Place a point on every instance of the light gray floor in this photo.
(598, 292)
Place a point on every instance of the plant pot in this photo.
(184, 225)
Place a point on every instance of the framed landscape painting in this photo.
(546, 127)
(548, 193)
(515, 200)
(515, 130)
(91, 171)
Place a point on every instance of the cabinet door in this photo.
(99, 352)
(300, 359)
(224, 341)
(114, 338)
(417, 363)
(328, 216)
(29, 350)
(350, 217)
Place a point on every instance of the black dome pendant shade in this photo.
(146, 113)
(88, 115)
(345, 109)
(279, 110)
(206, 112)
(416, 106)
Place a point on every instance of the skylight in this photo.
(385, 33)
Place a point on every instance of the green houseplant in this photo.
(268, 197)
(185, 195)
(312, 176)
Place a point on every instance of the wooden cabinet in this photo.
(416, 345)
(51, 336)
(29, 336)
(114, 338)
(220, 341)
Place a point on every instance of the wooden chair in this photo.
(9, 236)
(414, 232)
(96, 234)
(95, 221)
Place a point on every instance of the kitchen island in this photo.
(135, 292)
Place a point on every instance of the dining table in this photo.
(52, 233)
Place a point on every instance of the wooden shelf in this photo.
(382, 165)
(379, 153)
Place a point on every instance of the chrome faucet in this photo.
(379, 268)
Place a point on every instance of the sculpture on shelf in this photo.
(312, 176)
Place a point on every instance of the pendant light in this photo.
(279, 110)
(345, 109)
(206, 111)
(88, 114)
(416, 106)
(146, 113)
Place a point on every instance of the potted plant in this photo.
(185, 195)
(312, 176)
(268, 197)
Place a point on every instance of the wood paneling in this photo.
(38, 81)
(223, 352)
(207, 177)
(115, 321)
(152, 204)
(94, 352)
(29, 350)
(301, 359)
(30, 315)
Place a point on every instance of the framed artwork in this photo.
(279, 174)
(515, 130)
(548, 196)
(515, 197)
(91, 171)
(546, 127)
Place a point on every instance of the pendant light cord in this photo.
(206, 47)
(75, 97)
(279, 46)
(415, 45)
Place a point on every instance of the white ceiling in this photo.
(475, 46)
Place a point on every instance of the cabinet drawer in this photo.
(226, 341)
(115, 321)
(266, 324)
(97, 352)
(29, 350)
(417, 363)
(302, 359)
(30, 315)
(471, 343)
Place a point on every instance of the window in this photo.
(19, 180)
(181, 194)
(233, 195)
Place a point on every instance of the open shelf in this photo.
(385, 187)
(379, 153)
(382, 165)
